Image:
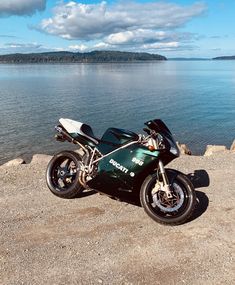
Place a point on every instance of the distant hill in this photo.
(71, 57)
(224, 57)
(188, 58)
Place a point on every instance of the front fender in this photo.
(171, 174)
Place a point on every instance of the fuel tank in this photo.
(114, 138)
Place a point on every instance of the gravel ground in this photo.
(97, 240)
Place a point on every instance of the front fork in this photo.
(166, 185)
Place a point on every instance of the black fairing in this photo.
(158, 126)
(86, 129)
(120, 136)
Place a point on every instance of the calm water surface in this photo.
(195, 99)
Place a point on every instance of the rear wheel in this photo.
(62, 174)
(173, 211)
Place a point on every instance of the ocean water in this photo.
(196, 99)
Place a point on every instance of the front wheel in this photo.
(172, 211)
(62, 175)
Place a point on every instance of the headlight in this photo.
(174, 148)
(175, 151)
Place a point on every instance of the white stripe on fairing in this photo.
(71, 126)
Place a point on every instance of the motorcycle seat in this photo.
(75, 127)
(88, 132)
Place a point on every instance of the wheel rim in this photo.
(64, 173)
(168, 207)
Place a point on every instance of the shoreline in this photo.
(184, 151)
(42, 233)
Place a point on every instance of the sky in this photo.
(173, 28)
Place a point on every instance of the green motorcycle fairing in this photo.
(114, 138)
(123, 169)
(111, 139)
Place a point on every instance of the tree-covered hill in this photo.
(71, 57)
(224, 57)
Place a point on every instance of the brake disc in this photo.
(169, 205)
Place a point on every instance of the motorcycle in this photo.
(122, 163)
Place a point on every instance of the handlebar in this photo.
(147, 131)
(150, 132)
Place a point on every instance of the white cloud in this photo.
(162, 46)
(153, 47)
(17, 47)
(74, 20)
(7, 36)
(137, 37)
(88, 48)
(80, 48)
(23, 45)
(21, 7)
(102, 45)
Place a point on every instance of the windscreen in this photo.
(158, 126)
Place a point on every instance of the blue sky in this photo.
(171, 28)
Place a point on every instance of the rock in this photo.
(15, 162)
(183, 148)
(41, 158)
(232, 148)
(211, 149)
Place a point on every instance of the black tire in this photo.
(156, 205)
(62, 174)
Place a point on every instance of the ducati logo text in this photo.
(118, 166)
